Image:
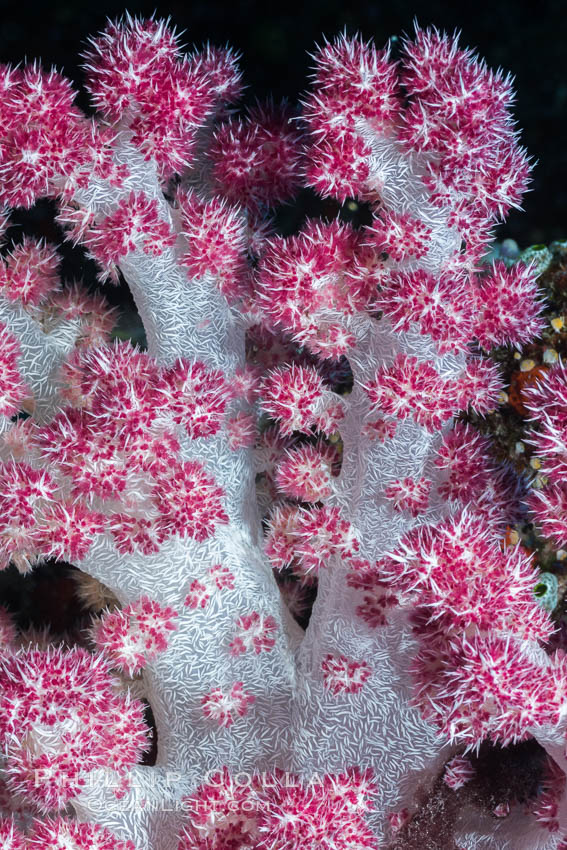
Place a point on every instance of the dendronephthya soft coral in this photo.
(425, 637)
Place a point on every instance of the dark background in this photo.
(275, 39)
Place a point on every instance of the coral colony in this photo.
(290, 431)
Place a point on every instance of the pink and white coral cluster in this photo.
(60, 718)
(327, 365)
(546, 402)
(60, 834)
(133, 635)
(279, 810)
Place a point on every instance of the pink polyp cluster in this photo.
(474, 605)
(305, 473)
(30, 272)
(413, 388)
(365, 114)
(141, 65)
(409, 494)
(60, 717)
(216, 239)
(344, 675)
(459, 111)
(296, 398)
(485, 689)
(352, 79)
(12, 388)
(34, 520)
(257, 162)
(119, 437)
(546, 403)
(49, 147)
(60, 834)
(200, 592)
(134, 635)
(135, 220)
(254, 632)
(278, 809)
(225, 706)
(485, 588)
(308, 539)
(474, 478)
(308, 284)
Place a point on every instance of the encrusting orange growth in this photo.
(519, 382)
